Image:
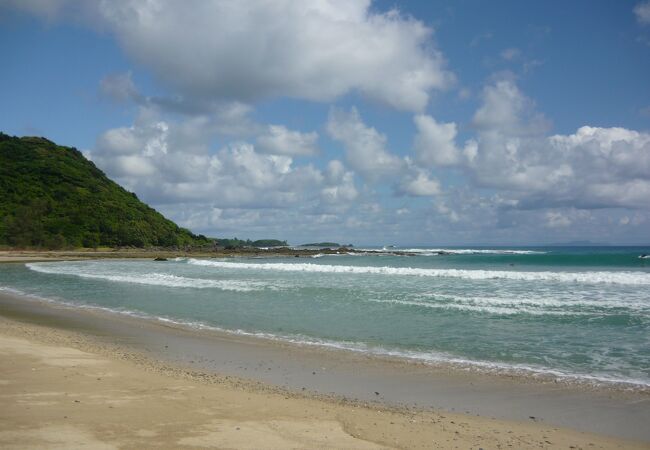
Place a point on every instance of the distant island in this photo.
(325, 244)
(238, 243)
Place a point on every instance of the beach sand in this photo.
(61, 388)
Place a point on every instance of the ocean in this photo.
(577, 314)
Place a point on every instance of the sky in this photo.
(355, 121)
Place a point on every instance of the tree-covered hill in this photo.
(53, 197)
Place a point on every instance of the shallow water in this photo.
(576, 313)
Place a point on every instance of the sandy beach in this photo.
(67, 382)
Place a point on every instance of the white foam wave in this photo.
(540, 301)
(631, 278)
(433, 357)
(472, 251)
(13, 291)
(456, 251)
(155, 279)
(500, 310)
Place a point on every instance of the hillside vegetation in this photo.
(53, 197)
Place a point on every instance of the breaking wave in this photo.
(156, 279)
(462, 251)
(629, 278)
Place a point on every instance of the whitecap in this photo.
(154, 279)
(631, 278)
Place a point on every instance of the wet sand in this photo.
(182, 388)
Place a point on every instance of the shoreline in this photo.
(524, 373)
(18, 256)
(35, 255)
(348, 379)
(520, 374)
(62, 390)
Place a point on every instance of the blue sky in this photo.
(443, 123)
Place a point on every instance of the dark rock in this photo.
(160, 259)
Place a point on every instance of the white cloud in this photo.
(152, 158)
(592, 168)
(435, 142)
(279, 140)
(317, 50)
(417, 182)
(134, 144)
(506, 110)
(365, 147)
(642, 12)
(339, 187)
(239, 191)
(420, 185)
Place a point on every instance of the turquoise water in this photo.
(577, 313)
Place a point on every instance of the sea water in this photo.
(580, 314)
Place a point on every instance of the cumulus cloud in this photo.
(339, 189)
(367, 153)
(642, 12)
(435, 142)
(420, 185)
(506, 110)
(592, 168)
(365, 146)
(417, 182)
(152, 158)
(317, 50)
(279, 140)
(535, 181)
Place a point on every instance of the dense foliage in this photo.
(53, 197)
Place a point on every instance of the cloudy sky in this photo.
(385, 122)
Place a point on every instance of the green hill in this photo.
(322, 244)
(53, 197)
